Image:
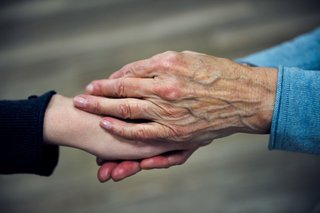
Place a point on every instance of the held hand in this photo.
(186, 97)
(68, 126)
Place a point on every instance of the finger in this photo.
(122, 87)
(136, 131)
(143, 69)
(128, 108)
(105, 170)
(125, 169)
(166, 160)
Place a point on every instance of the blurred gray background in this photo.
(64, 44)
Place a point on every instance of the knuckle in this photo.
(166, 53)
(170, 59)
(170, 92)
(125, 110)
(127, 72)
(166, 60)
(192, 52)
(128, 69)
(187, 51)
(120, 88)
(170, 54)
(140, 133)
(95, 106)
(121, 132)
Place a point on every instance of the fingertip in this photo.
(103, 174)
(90, 88)
(80, 101)
(105, 170)
(114, 126)
(106, 124)
(95, 87)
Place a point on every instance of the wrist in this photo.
(55, 120)
(263, 93)
(65, 125)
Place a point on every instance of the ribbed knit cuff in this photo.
(21, 137)
(274, 135)
(296, 119)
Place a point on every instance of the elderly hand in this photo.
(184, 97)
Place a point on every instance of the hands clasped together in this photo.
(155, 113)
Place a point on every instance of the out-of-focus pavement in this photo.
(64, 44)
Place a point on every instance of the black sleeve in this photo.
(22, 149)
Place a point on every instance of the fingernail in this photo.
(104, 176)
(80, 101)
(106, 124)
(90, 88)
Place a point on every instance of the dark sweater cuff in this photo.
(21, 137)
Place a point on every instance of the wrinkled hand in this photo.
(185, 97)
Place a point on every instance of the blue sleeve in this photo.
(296, 117)
(302, 52)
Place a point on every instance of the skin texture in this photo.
(185, 97)
(67, 126)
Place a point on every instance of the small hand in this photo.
(67, 126)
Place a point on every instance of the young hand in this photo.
(67, 126)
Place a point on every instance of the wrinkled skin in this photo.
(186, 97)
